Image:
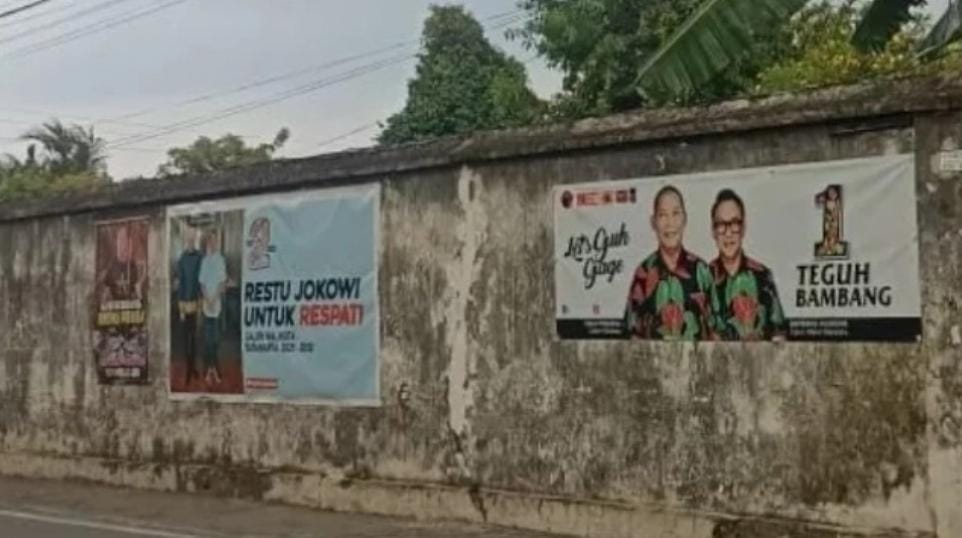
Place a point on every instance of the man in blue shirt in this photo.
(213, 284)
(188, 298)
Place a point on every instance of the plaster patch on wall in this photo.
(947, 164)
(891, 147)
(676, 385)
(949, 143)
(39, 388)
(460, 273)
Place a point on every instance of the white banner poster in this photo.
(818, 251)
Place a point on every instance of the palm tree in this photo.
(69, 149)
(720, 31)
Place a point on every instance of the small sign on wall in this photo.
(120, 301)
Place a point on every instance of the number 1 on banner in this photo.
(832, 245)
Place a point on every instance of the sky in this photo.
(126, 67)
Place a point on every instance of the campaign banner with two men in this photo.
(822, 251)
(274, 298)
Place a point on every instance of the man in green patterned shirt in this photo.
(671, 296)
(749, 305)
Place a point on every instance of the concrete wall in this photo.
(505, 423)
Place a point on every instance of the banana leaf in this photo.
(881, 21)
(717, 34)
(946, 30)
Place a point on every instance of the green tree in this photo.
(208, 155)
(600, 44)
(708, 43)
(826, 51)
(70, 158)
(462, 84)
(719, 32)
(68, 149)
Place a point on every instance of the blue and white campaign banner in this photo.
(274, 298)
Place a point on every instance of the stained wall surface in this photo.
(486, 414)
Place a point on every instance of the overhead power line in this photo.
(261, 82)
(98, 123)
(137, 149)
(369, 126)
(89, 30)
(25, 7)
(124, 120)
(298, 72)
(352, 132)
(62, 20)
(105, 131)
(282, 95)
(260, 103)
(372, 125)
(76, 117)
(19, 21)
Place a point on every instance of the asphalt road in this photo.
(17, 525)
(43, 509)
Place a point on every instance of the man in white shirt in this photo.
(213, 281)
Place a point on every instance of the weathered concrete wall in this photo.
(505, 422)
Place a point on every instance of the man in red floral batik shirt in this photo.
(750, 309)
(672, 296)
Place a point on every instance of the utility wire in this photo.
(512, 15)
(281, 96)
(292, 74)
(123, 119)
(141, 150)
(88, 30)
(57, 22)
(20, 20)
(372, 125)
(275, 98)
(72, 117)
(261, 82)
(25, 7)
(110, 131)
(9, 4)
(124, 144)
(352, 132)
